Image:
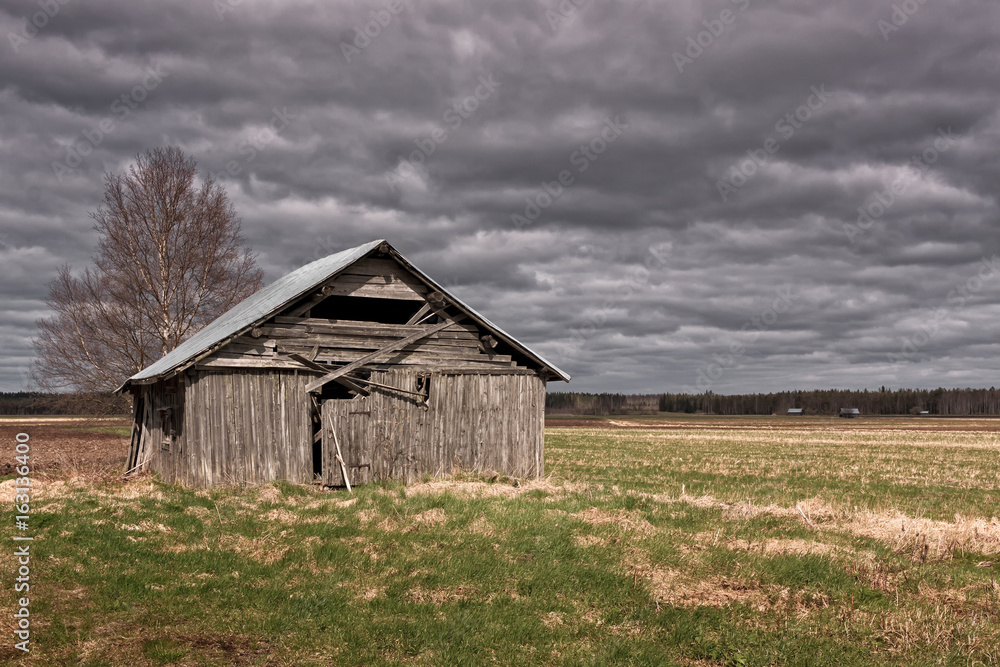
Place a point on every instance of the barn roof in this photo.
(270, 300)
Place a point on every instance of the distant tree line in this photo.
(882, 401)
(815, 402)
(25, 403)
(40, 403)
(573, 403)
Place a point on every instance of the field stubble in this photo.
(652, 541)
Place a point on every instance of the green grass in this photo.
(114, 430)
(874, 464)
(605, 564)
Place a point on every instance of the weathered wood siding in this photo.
(379, 279)
(160, 409)
(343, 341)
(238, 427)
(474, 422)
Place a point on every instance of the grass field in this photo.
(668, 540)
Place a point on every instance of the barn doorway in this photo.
(346, 424)
(331, 391)
(380, 435)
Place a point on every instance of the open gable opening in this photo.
(365, 309)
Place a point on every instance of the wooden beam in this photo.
(424, 309)
(347, 382)
(308, 363)
(437, 310)
(374, 291)
(402, 342)
(407, 361)
(368, 343)
(388, 386)
(350, 278)
(297, 312)
(412, 353)
(350, 380)
(371, 266)
(315, 324)
(340, 458)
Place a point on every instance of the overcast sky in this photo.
(715, 160)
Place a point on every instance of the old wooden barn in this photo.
(359, 353)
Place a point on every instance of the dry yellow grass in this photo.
(741, 542)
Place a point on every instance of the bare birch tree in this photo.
(171, 258)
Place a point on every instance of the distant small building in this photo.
(795, 412)
(850, 412)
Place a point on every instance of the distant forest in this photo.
(39, 403)
(27, 403)
(815, 402)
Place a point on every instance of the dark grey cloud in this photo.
(644, 274)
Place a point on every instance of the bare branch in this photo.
(171, 257)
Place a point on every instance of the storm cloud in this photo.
(733, 195)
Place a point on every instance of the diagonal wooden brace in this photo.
(392, 347)
(347, 382)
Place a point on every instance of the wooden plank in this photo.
(316, 384)
(346, 382)
(306, 305)
(264, 439)
(350, 277)
(183, 460)
(228, 437)
(340, 460)
(438, 357)
(397, 357)
(325, 472)
(255, 349)
(302, 336)
(409, 352)
(386, 333)
(316, 324)
(267, 345)
(417, 316)
(449, 367)
(375, 291)
(283, 331)
(540, 424)
(377, 267)
(199, 419)
(133, 447)
(470, 368)
(275, 452)
(224, 361)
(387, 386)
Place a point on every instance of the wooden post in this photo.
(340, 458)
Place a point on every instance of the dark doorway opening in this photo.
(331, 391)
(317, 457)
